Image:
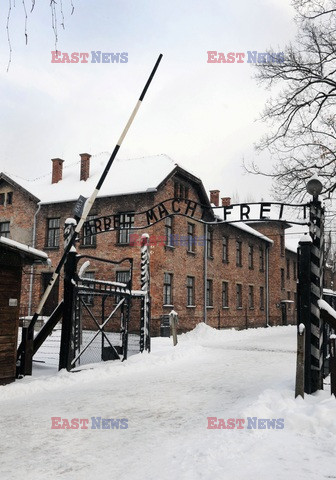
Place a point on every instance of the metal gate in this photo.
(101, 318)
(98, 324)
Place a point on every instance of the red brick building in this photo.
(229, 275)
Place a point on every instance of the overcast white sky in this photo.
(202, 115)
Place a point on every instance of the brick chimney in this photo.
(85, 166)
(57, 170)
(226, 201)
(214, 197)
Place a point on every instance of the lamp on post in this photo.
(314, 187)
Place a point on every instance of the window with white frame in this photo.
(209, 293)
(126, 222)
(168, 289)
(53, 232)
(169, 232)
(225, 294)
(262, 298)
(89, 237)
(251, 296)
(191, 237)
(239, 295)
(4, 229)
(225, 249)
(238, 253)
(190, 291)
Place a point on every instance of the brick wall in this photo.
(175, 259)
(281, 286)
(20, 215)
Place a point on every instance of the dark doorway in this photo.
(52, 300)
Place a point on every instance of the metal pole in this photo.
(332, 364)
(102, 322)
(145, 302)
(205, 271)
(68, 312)
(300, 361)
(173, 319)
(90, 201)
(304, 302)
(267, 284)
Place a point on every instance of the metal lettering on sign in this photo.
(242, 212)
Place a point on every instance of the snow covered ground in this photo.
(166, 397)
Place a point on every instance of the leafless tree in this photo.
(247, 198)
(56, 14)
(302, 117)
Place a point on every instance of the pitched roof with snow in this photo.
(136, 175)
(26, 250)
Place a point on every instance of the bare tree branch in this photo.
(302, 137)
(8, 36)
(55, 8)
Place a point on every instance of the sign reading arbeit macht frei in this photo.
(251, 212)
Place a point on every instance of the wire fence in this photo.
(48, 353)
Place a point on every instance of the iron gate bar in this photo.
(104, 298)
(126, 318)
(100, 331)
(94, 319)
(106, 260)
(127, 292)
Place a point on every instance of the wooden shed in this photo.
(13, 257)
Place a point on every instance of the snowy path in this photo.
(166, 397)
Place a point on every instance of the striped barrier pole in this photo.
(88, 204)
(145, 302)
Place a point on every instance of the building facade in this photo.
(230, 275)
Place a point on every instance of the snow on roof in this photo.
(328, 291)
(252, 231)
(291, 244)
(135, 175)
(325, 306)
(243, 226)
(23, 248)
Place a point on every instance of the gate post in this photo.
(304, 302)
(316, 278)
(68, 313)
(26, 361)
(145, 301)
(300, 361)
(333, 364)
(316, 230)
